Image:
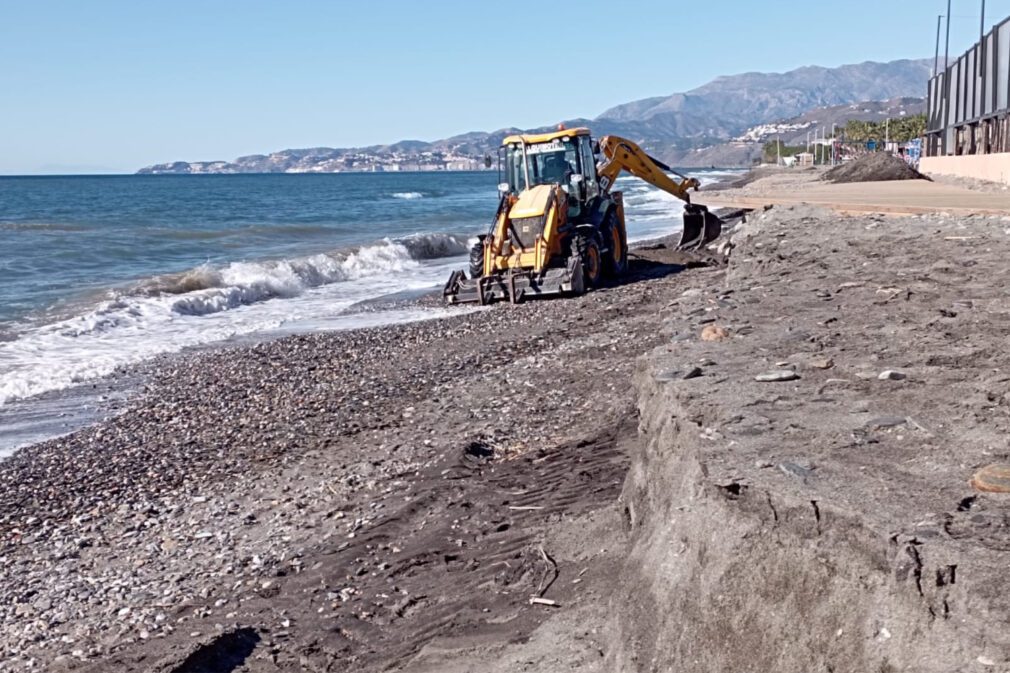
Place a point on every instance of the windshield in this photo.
(552, 162)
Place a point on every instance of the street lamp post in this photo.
(946, 82)
(981, 27)
(946, 47)
(936, 58)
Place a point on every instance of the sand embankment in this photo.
(824, 521)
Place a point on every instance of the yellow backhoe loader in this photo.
(560, 228)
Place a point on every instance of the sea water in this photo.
(97, 272)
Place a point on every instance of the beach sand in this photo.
(395, 498)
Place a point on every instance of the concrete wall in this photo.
(992, 167)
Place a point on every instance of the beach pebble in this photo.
(993, 478)
(890, 375)
(782, 375)
(822, 363)
(796, 470)
(714, 333)
(886, 422)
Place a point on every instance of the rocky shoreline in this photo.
(557, 485)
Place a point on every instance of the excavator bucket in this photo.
(700, 228)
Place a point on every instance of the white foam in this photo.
(653, 213)
(408, 195)
(240, 299)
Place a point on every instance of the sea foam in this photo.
(208, 304)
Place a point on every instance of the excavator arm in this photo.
(620, 154)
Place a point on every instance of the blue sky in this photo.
(111, 85)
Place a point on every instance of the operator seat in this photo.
(554, 169)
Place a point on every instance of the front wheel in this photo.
(477, 260)
(616, 260)
(588, 252)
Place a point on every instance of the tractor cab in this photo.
(563, 158)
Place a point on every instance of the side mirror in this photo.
(596, 147)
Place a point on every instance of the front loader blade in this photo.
(515, 285)
(700, 228)
(462, 290)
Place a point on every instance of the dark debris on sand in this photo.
(876, 167)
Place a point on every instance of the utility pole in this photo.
(778, 150)
(946, 48)
(981, 28)
(936, 59)
(946, 83)
(980, 66)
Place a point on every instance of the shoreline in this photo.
(78, 409)
(138, 312)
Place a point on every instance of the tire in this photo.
(477, 260)
(588, 251)
(615, 262)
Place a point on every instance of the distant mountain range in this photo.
(681, 128)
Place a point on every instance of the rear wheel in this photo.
(588, 252)
(477, 260)
(615, 262)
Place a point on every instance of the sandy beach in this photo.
(750, 462)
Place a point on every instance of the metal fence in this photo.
(967, 107)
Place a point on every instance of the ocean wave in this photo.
(207, 304)
(408, 195)
(209, 289)
(436, 246)
(43, 226)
